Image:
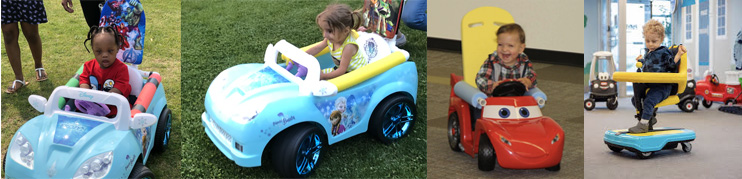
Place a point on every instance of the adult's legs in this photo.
(91, 10)
(31, 32)
(414, 14)
(10, 38)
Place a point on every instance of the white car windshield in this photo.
(511, 112)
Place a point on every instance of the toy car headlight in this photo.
(95, 167)
(595, 85)
(505, 141)
(21, 151)
(556, 138)
(690, 84)
(611, 85)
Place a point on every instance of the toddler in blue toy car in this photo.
(508, 62)
(337, 22)
(105, 72)
(658, 59)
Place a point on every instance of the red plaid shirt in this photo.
(522, 68)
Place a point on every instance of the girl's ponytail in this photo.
(357, 18)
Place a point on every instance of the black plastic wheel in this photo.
(555, 168)
(686, 146)
(297, 152)
(393, 119)
(162, 135)
(706, 103)
(644, 155)
(615, 149)
(141, 171)
(454, 132)
(687, 105)
(589, 104)
(730, 102)
(486, 157)
(611, 103)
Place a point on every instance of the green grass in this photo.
(219, 35)
(63, 53)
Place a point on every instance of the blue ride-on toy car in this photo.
(256, 110)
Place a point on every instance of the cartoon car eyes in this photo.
(510, 112)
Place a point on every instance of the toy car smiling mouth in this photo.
(253, 109)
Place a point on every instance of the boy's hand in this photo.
(681, 51)
(493, 87)
(638, 58)
(526, 82)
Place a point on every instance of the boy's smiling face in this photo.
(509, 47)
(105, 49)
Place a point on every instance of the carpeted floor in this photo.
(562, 85)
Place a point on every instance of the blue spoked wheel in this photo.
(297, 151)
(393, 118)
(162, 135)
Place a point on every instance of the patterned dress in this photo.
(357, 61)
(29, 11)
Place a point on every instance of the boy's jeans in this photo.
(657, 92)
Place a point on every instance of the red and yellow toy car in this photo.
(508, 130)
(713, 91)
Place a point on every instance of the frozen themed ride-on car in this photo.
(66, 144)
(645, 144)
(254, 110)
(508, 129)
(602, 87)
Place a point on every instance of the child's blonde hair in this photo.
(340, 16)
(511, 28)
(654, 27)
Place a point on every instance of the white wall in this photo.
(549, 25)
(721, 58)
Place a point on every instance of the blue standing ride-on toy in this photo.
(645, 144)
(255, 110)
(68, 144)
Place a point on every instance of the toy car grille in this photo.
(223, 134)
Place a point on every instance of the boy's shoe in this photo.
(639, 128)
(651, 123)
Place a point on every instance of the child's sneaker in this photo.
(641, 127)
(651, 123)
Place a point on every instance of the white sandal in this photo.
(13, 89)
(38, 74)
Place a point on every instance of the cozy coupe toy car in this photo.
(254, 110)
(508, 130)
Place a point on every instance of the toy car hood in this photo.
(242, 91)
(519, 119)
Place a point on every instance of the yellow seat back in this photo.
(478, 39)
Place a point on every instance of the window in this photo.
(688, 24)
(721, 18)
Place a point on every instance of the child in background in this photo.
(659, 59)
(105, 72)
(508, 62)
(337, 23)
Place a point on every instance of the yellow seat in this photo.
(478, 39)
(653, 77)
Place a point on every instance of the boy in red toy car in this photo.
(659, 59)
(508, 62)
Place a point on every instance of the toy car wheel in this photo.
(555, 168)
(612, 103)
(615, 149)
(730, 102)
(686, 146)
(589, 104)
(454, 132)
(486, 157)
(394, 118)
(644, 155)
(706, 103)
(162, 136)
(141, 171)
(297, 152)
(687, 105)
